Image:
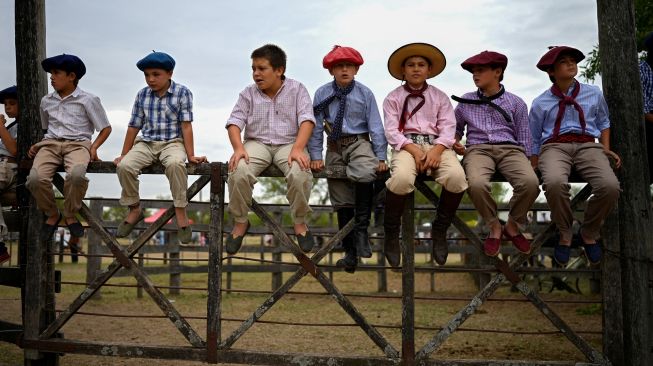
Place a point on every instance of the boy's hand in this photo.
(317, 165)
(117, 160)
(197, 159)
(383, 167)
(433, 158)
(613, 155)
(93, 152)
(235, 158)
(459, 148)
(32, 151)
(301, 159)
(3, 121)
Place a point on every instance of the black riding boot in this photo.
(446, 211)
(394, 208)
(363, 211)
(349, 261)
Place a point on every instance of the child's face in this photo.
(11, 107)
(565, 67)
(265, 76)
(416, 70)
(62, 81)
(158, 79)
(484, 76)
(344, 73)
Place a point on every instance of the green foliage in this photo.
(592, 309)
(643, 25)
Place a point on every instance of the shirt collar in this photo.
(74, 94)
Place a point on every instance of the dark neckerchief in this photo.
(482, 99)
(341, 95)
(566, 100)
(412, 93)
(11, 124)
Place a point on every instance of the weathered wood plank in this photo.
(408, 283)
(214, 300)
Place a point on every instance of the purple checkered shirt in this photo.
(272, 121)
(486, 125)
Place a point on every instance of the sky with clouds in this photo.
(212, 41)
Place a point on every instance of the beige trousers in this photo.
(7, 184)
(482, 161)
(241, 181)
(450, 174)
(74, 155)
(589, 160)
(171, 154)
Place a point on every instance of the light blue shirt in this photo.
(361, 116)
(545, 109)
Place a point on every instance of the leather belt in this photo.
(345, 140)
(422, 139)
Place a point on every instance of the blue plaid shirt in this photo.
(160, 118)
(646, 76)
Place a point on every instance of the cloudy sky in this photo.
(212, 41)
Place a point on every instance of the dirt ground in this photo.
(344, 341)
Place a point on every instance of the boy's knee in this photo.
(298, 177)
(556, 185)
(176, 166)
(478, 186)
(608, 188)
(527, 184)
(35, 179)
(77, 175)
(240, 175)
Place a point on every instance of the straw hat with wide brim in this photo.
(430, 52)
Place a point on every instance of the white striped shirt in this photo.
(13, 131)
(272, 121)
(74, 117)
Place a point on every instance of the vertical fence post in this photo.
(381, 275)
(214, 301)
(175, 272)
(277, 277)
(94, 264)
(139, 288)
(408, 283)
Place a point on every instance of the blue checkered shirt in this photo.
(160, 118)
(646, 76)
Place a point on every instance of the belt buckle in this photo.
(421, 139)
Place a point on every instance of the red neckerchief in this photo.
(566, 100)
(412, 93)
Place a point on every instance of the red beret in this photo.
(550, 57)
(486, 58)
(342, 54)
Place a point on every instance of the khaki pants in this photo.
(172, 154)
(74, 155)
(360, 166)
(241, 181)
(589, 160)
(482, 161)
(7, 184)
(450, 174)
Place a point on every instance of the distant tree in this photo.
(643, 24)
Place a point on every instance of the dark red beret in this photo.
(342, 54)
(554, 53)
(486, 58)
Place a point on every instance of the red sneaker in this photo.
(491, 246)
(519, 241)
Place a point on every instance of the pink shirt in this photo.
(272, 121)
(436, 117)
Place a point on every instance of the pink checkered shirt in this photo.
(272, 121)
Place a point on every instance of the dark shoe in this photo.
(76, 229)
(348, 262)
(593, 253)
(47, 230)
(519, 241)
(364, 196)
(491, 246)
(561, 254)
(4, 254)
(394, 208)
(125, 228)
(447, 207)
(185, 234)
(306, 241)
(233, 243)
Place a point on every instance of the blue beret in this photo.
(648, 42)
(156, 60)
(68, 63)
(10, 92)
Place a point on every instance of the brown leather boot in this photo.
(394, 208)
(446, 211)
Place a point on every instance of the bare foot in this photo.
(134, 214)
(52, 220)
(585, 239)
(239, 229)
(495, 230)
(300, 229)
(182, 219)
(511, 228)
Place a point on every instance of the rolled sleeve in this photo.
(240, 112)
(523, 133)
(535, 119)
(446, 123)
(304, 106)
(377, 135)
(602, 116)
(138, 114)
(96, 114)
(186, 110)
(44, 115)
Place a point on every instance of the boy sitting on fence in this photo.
(69, 115)
(565, 120)
(346, 110)
(498, 138)
(276, 115)
(420, 126)
(163, 112)
(8, 151)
